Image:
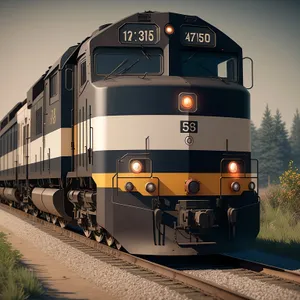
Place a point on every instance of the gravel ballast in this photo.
(124, 285)
(249, 287)
(117, 282)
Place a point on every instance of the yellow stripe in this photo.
(172, 184)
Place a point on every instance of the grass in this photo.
(279, 231)
(16, 281)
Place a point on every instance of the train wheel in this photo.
(25, 208)
(98, 235)
(35, 212)
(62, 223)
(118, 245)
(109, 240)
(48, 218)
(54, 219)
(10, 203)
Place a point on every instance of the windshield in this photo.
(128, 61)
(201, 64)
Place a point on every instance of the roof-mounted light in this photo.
(169, 29)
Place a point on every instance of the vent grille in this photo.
(146, 17)
(190, 19)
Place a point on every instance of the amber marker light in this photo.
(187, 102)
(136, 166)
(232, 167)
(169, 29)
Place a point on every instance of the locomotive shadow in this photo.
(290, 250)
(279, 254)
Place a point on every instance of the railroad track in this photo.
(271, 274)
(167, 271)
(240, 267)
(185, 284)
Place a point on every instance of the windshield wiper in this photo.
(116, 68)
(145, 74)
(190, 57)
(129, 67)
(145, 54)
(206, 69)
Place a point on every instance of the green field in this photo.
(16, 281)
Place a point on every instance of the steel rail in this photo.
(265, 269)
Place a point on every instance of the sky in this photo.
(35, 33)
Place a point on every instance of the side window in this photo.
(53, 85)
(82, 137)
(9, 140)
(3, 147)
(82, 73)
(38, 121)
(24, 135)
(228, 69)
(79, 138)
(15, 137)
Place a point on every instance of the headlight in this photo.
(192, 186)
(232, 167)
(136, 166)
(187, 102)
(129, 186)
(251, 186)
(235, 186)
(150, 187)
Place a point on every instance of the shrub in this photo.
(289, 195)
(280, 216)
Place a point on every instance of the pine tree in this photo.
(267, 149)
(295, 139)
(283, 148)
(254, 141)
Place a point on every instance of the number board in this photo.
(197, 36)
(139, 33)
(188, 127)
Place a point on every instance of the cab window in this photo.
(128, 61)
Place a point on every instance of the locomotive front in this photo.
(171, 154)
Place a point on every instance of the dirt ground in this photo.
(59, 282)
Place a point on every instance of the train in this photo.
(139, 135)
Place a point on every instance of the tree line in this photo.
(274, 147)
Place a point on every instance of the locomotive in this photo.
(140, 135)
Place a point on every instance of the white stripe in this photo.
(129, 133)
(59, 141)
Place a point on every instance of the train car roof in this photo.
(11, 114)
(149, 16)
(137, 17)
(61, 61)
